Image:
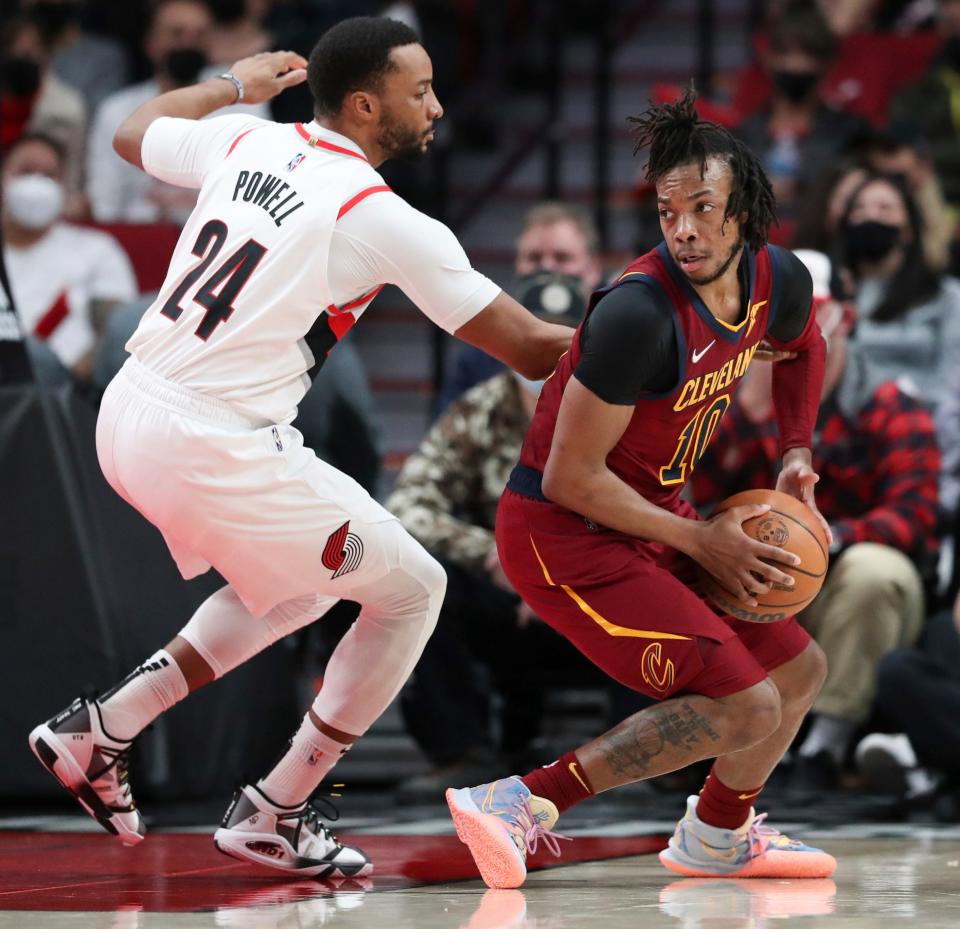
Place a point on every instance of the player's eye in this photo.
(664, 214)
(705, 207)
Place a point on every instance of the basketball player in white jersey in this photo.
(293, 235)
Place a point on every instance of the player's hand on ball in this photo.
(265, 75)
(741, 563)
(798, 479)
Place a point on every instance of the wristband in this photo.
(233, 79)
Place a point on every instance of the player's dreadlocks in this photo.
(676, 136)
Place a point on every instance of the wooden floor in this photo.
(177, 881)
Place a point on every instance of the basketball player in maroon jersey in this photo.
(594, 535)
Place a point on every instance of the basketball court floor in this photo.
(57, 873)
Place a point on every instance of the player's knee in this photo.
(752, 715)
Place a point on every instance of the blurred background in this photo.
(854, 108)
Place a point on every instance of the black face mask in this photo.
(20, 77)
(183, 65)
(796, 86)
(227, 11)
(871, 240)
(950, 51)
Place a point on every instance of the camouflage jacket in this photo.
(447, 492)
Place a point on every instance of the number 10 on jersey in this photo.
(693, 441)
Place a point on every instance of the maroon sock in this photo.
(722, 807)
(564, 782)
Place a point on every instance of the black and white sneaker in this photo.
(73, 747)
(292, 839)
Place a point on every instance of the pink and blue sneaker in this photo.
(501, 823)
(697, 849)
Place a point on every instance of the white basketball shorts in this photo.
(245, 497)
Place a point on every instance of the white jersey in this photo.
(294, 233)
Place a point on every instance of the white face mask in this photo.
(533, 387)
(33, 201)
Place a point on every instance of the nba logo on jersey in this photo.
(276, 438)
(295, 161)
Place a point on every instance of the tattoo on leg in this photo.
(631, 747)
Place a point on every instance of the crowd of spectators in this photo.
(853, 107)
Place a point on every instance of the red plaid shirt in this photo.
(879, 467)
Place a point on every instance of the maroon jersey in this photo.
(670, 431)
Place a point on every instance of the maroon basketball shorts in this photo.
(631, 606)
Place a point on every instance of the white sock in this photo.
(142, 696)
(828, 734)
(307, 762)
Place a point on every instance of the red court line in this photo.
(174, 872)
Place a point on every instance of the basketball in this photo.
(787, 524)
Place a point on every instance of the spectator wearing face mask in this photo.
(34, 99)
(66, 279)
(908, 314)
(176, 43)
(876, 452)
(796, 134)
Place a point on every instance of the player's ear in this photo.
(363, 106)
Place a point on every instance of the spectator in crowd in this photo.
(876, 453)
(238, 29)
(908, 314)
(927, 108)
(34, 99)
(177, 43)
(555, 237)
(66, 279)
(796, 134)
(820, 215)
(338, 417)
(92, 64)
(446, 496)
(918, 694)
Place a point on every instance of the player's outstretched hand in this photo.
(267, 74)
(744, 566)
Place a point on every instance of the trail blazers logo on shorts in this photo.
(658, 671)
(343, 551)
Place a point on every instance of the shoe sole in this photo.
(236, 844)
(45, 744)
(773, 865)
(500, 863)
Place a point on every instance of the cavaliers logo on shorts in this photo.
(658, 671)
(343, 551)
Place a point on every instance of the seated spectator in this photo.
(824, 206)
(94, 65)
(34, 99)
(66, 279)
(877, 457)
(238, 29)
(446, 496)
(926, 109)
(908, 314)
(918, 694)
(177, 43)
(556, 238)
(796, 134)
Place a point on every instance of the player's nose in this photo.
(436, 111)
(686, 228)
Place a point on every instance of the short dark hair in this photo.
(43, 138)
(353, 55)
(676, 136)
(803, 26)
(548, 212)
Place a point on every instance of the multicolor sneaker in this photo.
(92, 766)
(500, 823)
(291, 839)
(754, 850)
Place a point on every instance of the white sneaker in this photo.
(291, 839)
(73, 747)
(889, 764)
